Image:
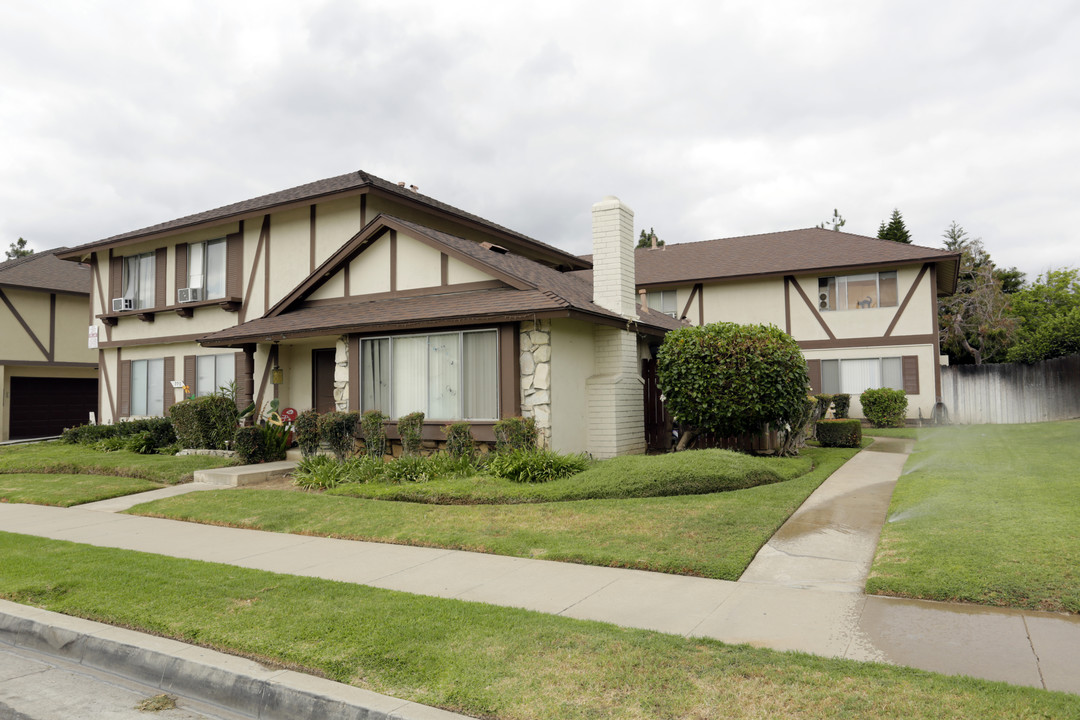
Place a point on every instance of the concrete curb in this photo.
(240, 685)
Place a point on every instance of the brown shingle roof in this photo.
(45, 271)
(782, 253)
(322, 188)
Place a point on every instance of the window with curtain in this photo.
(138, 281)
(206, 267)
(856, 375)
(213, 372)
(663, 301)
(447, 376)
(147, 387)
(857, 292)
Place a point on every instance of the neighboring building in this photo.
(48, 376)
(357, 293)
(863, 310)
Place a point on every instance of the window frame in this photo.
(828, 363)
(204, 269)
(662, 295)
(833, 286)
(149, 399)
(390, 412)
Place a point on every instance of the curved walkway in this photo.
(802, 592)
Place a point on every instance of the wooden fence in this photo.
(1012, 393)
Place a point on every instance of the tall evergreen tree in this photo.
(645, 239)
(837, 221)
(18, 249)
(895, 229)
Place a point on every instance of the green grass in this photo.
(485, 661)
(634, 476)
(67, 490)
(58, 458)
(714, 535)
(987, 514)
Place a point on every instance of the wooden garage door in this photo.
(41, 407)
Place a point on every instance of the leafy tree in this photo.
(1049, 315)
(895, 230)
(956, 239)
(645, 239)
(732, 379)
(18, 249)
(976, 322)
(837, 221)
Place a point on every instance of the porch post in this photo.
(245, 379)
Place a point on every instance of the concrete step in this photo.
(241, 475)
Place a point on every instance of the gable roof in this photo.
(354, 182)
(784, 253)
(44, 271)
(532, 290)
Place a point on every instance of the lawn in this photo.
(477, 659)
(714, 535)
(58, 458)
(67, 490)
(987, 514)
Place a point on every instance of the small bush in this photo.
(535, 466)
(338, 430)
(169, 449)
(409, 469)
(841, 404)
(373, 430)
(319, 472)
(110, 444)
(515, 433)
(250, 445)
(884, 407)
(142, 443)
(364, 469)
(306, 428)
(839, 433)
(411, 429)
(88, 434)
(459, 440)
(205, 422)
(275, 440)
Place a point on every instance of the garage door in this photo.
(41, 407)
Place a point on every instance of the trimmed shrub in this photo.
(409, 469)
(535, 466)
(338, 430)
(306, 429)
(884, 407)
(250, 445)
(373, 430)
(841, 403)
(205, 422)
(839, 433)
(410, 429)
(515, 433)
(459, 440)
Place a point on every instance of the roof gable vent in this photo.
(494, 248)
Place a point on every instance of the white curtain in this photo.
(215, 269)
(204, 375)
(155, 387)
(196, 264)
(410, 376)
(480, 375)
(892, 373)
(146, 281)
(444, 380)
(138, 387)
(859, 375)
(375, 375)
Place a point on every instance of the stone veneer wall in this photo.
(341, 374)
(535, 341)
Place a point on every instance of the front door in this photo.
(323, 363)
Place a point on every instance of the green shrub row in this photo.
(884, 407)
(145, 436)
(839, 433)
(535, 466)
(205, 422)
(325, 472)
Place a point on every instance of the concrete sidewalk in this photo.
(803, 592)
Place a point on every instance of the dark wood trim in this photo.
(234, 266)
(254, 269)
(101, 380)
(813, 309)
(909, 365)
(25, 326)
(415, 292)
(363, 210)
(191, 375)
(311, 241)
(180, 272)
(116, 280)
(95, 288)
(689, 301)
(393, 261)
(266, 265)
(273, 361)
(907, 299)
(123, 387)
(813, 369)
(867, 342)
(168, 390)
(345, 277)
(354, 374)
(700, 304)
(103, 371)
(262, 385)
(161, 270)
(245, 377)
(52, 327)
(161, 340)
(509, 344)
(937, 335)
(444, 269)
(787, 303)
(47, 363)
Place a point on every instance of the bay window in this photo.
(447, 376)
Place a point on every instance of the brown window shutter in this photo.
(189, 373)
(813, 367)
(161, 263)
(911, 374)
(234, 265)
(116, 281)
(124, 389)
(181, 266)
(170, 393)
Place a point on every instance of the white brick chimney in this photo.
(613, 257)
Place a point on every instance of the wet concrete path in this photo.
(803, 592)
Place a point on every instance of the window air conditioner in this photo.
(823, 301)
(191, 294)
(122, 304)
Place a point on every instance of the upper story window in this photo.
(857, 292)
(663, 301)
(139, 280)
(206, 268)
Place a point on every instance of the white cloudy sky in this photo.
(710, 119)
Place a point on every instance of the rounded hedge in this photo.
(839, 433)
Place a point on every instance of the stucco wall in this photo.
(572, 360)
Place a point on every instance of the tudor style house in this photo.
(354, 293)
(863, 310)
(48, 377)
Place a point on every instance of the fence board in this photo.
(1012, 393)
